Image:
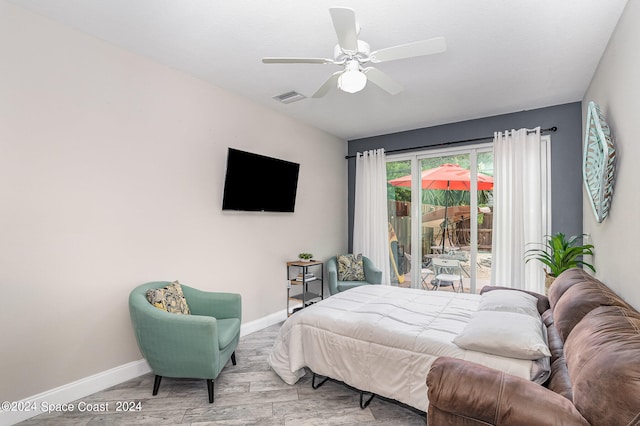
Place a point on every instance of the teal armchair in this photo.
(372, 275)
(195, 346)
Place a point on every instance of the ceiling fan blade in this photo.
(328, 85)
(410, 50)
(382, 80)
(297, 61)
(344, 22)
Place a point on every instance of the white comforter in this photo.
(381, 339)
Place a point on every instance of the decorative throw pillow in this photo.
(350, 267)
(170, 299)
(509, 301)
(505, 334)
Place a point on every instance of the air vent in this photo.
(287, 98)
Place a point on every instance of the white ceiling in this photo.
(503, 55)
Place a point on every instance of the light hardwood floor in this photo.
(249, 393)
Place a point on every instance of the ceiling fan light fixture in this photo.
(352, 80)
(354, 54)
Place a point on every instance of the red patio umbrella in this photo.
(449, 177)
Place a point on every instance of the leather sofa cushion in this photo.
(574, 294)
(565, 281)
(559, 380)
(603, 357)
(464, 393)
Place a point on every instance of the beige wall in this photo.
(112, 170)
(616, 88)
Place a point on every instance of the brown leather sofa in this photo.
(594, 337)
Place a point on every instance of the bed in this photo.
(383, 340)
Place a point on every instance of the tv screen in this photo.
(258, 183)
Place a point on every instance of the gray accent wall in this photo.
(566, 154)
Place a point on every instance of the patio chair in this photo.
(447, 272)
(424, 274)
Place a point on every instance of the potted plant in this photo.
(305, 257)
(560, 253)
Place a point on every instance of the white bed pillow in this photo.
(541, 370)
(509, 301)
(505, 334)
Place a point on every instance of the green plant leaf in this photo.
(560, 253)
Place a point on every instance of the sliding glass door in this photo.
(438, 208)
(399, 213)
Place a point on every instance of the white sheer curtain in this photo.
(370, 222)
(520, 207)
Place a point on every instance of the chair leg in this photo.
(210, 390)
(233, 358)
(156, 384)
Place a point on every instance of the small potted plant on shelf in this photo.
(305, 257)
(560, 253)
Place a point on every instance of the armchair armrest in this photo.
(372, 274)
(176, 345)
(463, 392)
(213, 304)
(332, 275)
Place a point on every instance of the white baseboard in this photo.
(262, 323)
(97, 382)
(75, 390)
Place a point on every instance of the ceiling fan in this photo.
(353, 54)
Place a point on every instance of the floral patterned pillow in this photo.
(350, 267)
(170, 299)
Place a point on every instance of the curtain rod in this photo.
(549, 130)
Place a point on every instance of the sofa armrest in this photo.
(543, 301)
(468, 393)
(213, 304)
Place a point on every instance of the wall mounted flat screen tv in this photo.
(259, 183)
